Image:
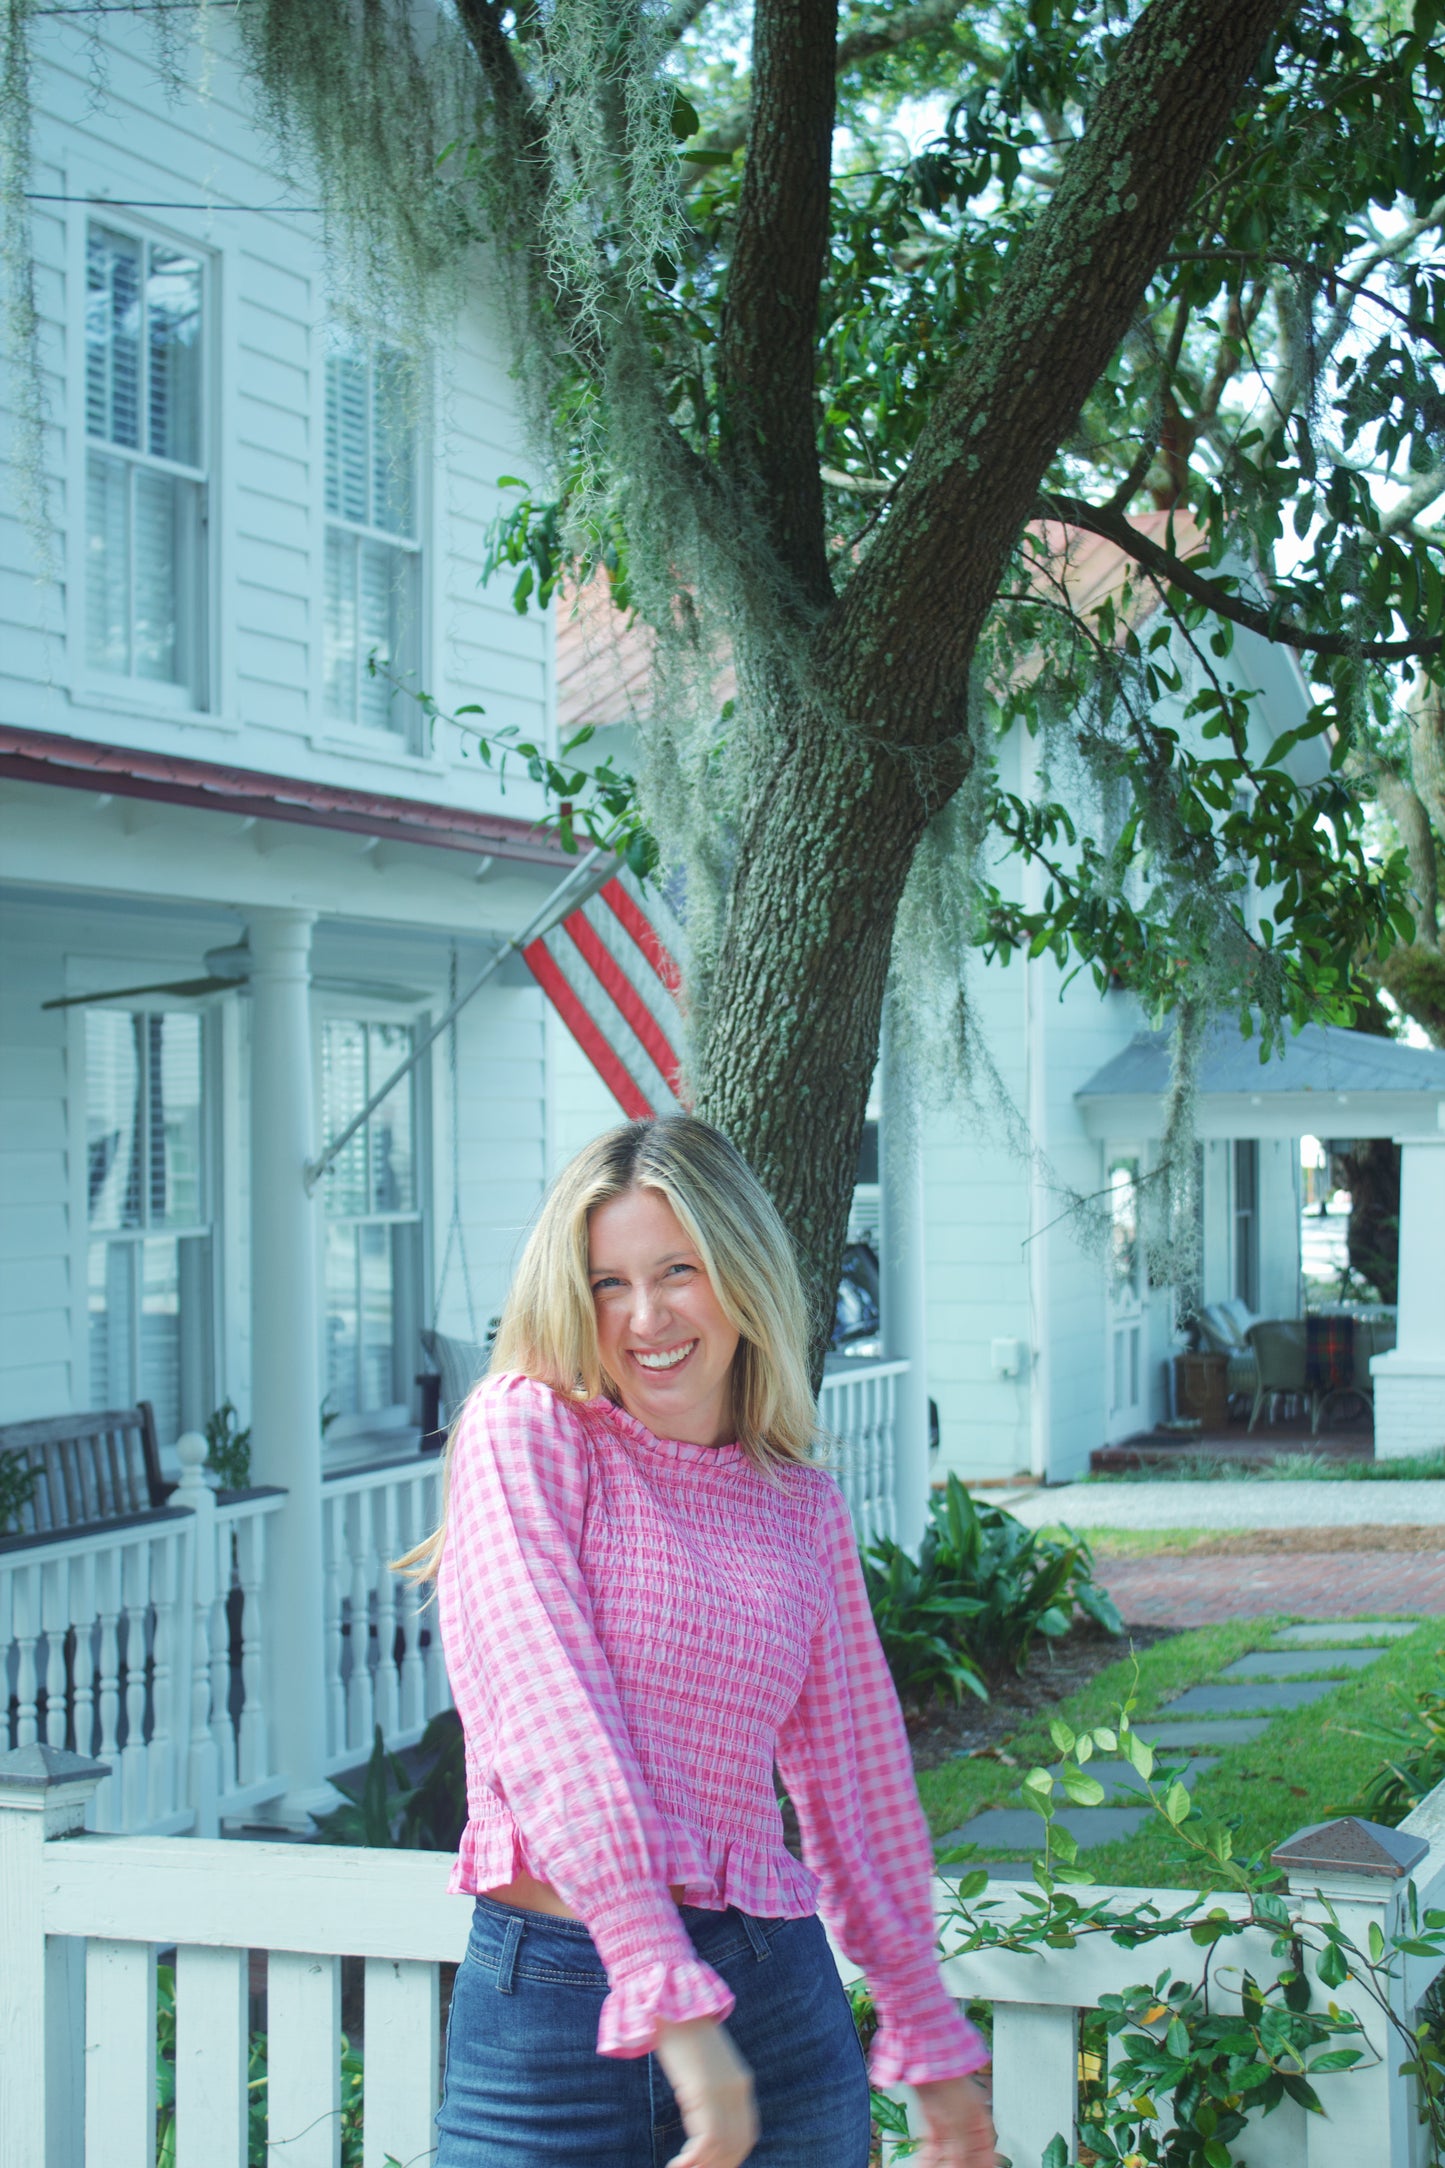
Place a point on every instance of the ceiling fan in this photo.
(228, 969)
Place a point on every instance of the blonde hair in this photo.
(548, 1329)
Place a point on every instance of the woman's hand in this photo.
(958, 2124)
(713, 2088)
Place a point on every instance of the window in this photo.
(373, 557)
(149, 1248)
(373, 1223)
(1246, 1221)
(145, 476)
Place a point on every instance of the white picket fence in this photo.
(859, 1409)
(82, 1918)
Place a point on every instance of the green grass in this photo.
(1305, 1768)
(1302, 1467)
(1145, 1542)
(958, 1789)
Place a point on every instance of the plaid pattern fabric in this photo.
(1329, 1352)
(635, 1630)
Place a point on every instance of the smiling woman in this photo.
(650, 1599)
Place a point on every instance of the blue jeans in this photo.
(526, 2088)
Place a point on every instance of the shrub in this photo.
(228, 1453)
(389, 1811)
(17, 1487)
(983, 1588)
(1415, 1761)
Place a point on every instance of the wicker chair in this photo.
(1223, 1327)
(1279, 1348)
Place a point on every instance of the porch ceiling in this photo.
(1327, 1082)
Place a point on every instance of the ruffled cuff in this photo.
(665, 1993)
(924, 2037)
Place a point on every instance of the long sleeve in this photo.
(538, 1700)
(843, 1755)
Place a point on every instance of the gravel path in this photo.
(1234, 1505)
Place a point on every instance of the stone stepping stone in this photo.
(1019, 1825)
(1121, 1780)
(1294, 1663)
(1237, 1700)
(1347, 1629)
(1230, 1731)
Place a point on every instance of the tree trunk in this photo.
(792, 1028)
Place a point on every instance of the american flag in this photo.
(613, 980)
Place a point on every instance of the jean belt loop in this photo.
(755, 1935)
(507, 1963)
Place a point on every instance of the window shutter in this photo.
(112, 336)
(348, 494)
(173, 327)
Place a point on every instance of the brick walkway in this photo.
(1339, 1584)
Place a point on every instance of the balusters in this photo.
(26, 1630)
(161, 1790)
(134, 1594)
(107, 1604)
(54, 1618)
(334, 1519)
(360, 1691)
(250, 1563)
(414, 1706)
(82, 1663)
(218, 1638)
(388, 1680)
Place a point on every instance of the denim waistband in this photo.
(708, 1929)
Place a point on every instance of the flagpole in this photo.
(580, 885)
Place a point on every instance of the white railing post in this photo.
(196, 1747)
(1035, 2078)
(905, 1319)
(44, 1793)
(1359, 1870)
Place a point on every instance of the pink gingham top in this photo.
(636, 1630)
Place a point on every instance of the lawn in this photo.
(1306, 1768)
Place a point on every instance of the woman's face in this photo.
(661, 1330)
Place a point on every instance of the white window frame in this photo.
(414, 748)
(213, 1226)
(89, 684)
(398, 1417)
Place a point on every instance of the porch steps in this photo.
(1237, 1707)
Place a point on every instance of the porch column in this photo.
(905, 1318)
(285, 1346)
(1410, 1379)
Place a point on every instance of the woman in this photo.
(648, 1597)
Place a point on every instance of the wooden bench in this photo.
(92, 1467)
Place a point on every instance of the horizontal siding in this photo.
(129, 140)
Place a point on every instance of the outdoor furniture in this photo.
(1224, 1329)
(1279, 1346)
(460, 1363)
(1202, 1388)
(1368, 1336)
(91, 1467)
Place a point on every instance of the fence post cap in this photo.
(1350, 1846)
(40, 1768)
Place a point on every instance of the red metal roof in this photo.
(38, 756)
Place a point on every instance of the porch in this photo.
(88, 1915)
(1325, 1082)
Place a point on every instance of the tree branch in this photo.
(1421, 492)
(1068, 298)
(1177, 572)
(767, 355)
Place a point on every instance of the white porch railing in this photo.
(84, 1915)
(860, 1408)
(140, 1641)
(383, 1657)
